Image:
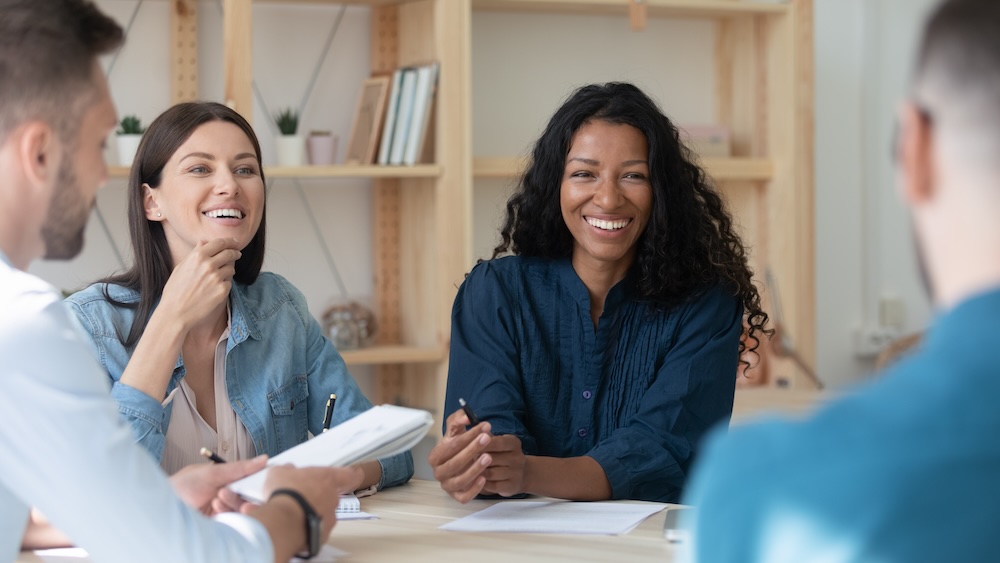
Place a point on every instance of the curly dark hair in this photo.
(689, 244)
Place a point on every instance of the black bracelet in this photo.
(314, 524)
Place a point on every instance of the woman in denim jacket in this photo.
(204, 350)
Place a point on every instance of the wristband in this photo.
(314, 523)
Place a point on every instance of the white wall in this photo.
(863, 56)
(863, 52)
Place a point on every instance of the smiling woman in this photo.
(602, 340)
(201, 347)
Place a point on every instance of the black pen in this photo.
(328, 416)
(473, 419)
(212, 455)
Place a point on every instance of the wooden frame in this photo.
(367, 124)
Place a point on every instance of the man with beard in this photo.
(907, 468)
(62, 445)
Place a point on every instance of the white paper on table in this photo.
(327, 553)
(57, 554)
(556, 517)
(355, 516)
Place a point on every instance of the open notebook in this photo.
(380, 431)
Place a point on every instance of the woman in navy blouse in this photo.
(602, 340)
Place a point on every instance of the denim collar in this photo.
(243, 324)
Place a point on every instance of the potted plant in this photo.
(322, 147)
(129, 133)
(291, 147)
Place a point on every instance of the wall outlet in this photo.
(869, 341)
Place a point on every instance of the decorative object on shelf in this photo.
(707, 141)
(129, 133)
(322, 147)
(367, 121)
(291, 146)
(349, 325)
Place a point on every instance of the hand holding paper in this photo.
(381, 431)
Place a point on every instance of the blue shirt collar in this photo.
(622, 291)
(242, 324)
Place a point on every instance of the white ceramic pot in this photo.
(291, 150)
(127, 145)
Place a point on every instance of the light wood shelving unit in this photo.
(421, 223)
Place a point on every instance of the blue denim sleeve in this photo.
(145, 415)
(484, 367)
(693, 390)
(328, 374)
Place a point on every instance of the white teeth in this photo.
(228, 213)
(607, 225)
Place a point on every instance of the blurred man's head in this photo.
(55, 115)
(950, 147)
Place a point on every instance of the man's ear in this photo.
(915, 154)
(39, 151)
(152, 208)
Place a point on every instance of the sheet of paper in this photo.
(378, 432)
(55, 555)
(355, 516)
(556, 517)
(326, 554)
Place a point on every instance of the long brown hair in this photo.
(152, 262)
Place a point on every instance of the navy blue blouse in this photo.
(636, 394)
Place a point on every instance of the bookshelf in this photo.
(422, 215)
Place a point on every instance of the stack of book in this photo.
(408, 116)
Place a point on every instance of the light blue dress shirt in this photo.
(906, 469)
(65, 450)
(636, 393)
(280, 369)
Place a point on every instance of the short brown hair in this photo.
(47, 53)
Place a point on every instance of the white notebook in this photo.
(379, 432)
(385, 145)
(423, 98)
(404, 113)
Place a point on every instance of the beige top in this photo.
(188, 432)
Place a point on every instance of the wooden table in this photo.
(407, 530)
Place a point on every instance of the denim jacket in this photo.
(280, 369)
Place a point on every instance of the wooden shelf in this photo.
(656, 8)
(753, 169)
(335, 171)
(353, 171)
(392, 355)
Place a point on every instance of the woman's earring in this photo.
(158, 214)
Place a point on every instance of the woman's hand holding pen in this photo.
(506, 475)
(460, 459)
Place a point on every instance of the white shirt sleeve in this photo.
(66, 452)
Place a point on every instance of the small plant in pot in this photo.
(291, 146)
(129, 134)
